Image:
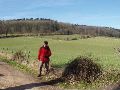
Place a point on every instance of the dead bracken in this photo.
(82, 69)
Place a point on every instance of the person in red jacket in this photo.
(43, 57)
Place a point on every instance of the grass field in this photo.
(64, 50)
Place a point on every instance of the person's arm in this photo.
(49, 53)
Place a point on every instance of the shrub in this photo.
(85, 36)
(74, 39)
(82, 69)
(20, 57)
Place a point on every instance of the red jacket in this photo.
(44, 54)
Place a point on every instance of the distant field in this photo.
(64, 48)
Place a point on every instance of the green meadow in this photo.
(103, 50)
(64, 48)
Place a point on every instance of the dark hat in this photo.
(46, 42)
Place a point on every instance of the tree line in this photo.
(40, 26)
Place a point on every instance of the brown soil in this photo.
(12, 79)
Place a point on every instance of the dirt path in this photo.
(12, 79)
(115, 86)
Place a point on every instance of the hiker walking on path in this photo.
(43, 57)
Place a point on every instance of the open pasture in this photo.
(64, 48)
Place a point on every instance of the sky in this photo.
(83, 12)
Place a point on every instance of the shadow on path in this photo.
(32, 85)
(1, 75)
(117, 88)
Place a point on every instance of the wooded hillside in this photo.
(39, 26)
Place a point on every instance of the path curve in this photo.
(12, 79)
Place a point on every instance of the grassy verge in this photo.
(19, 66)
(106, 80)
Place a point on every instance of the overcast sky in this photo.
(87, 12)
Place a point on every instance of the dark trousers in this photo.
(46, 66)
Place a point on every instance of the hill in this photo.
(41, 26)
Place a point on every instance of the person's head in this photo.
(45, 42)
